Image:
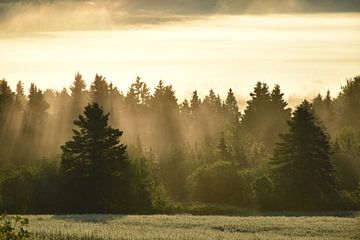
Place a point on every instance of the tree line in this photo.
(63, 152)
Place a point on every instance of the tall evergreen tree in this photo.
(36, 108)
(20, 98)
(255, 115)
(302, 171)
(138, 96)
(78, 95)
(94, 165)
(279, 114)
(195, 102)
(347, 105)
(324, 108)
(6, 97)
(99, 92)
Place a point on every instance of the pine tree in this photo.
(94, 165)
(195, 102)
(78, 94)
(348, 105)
(302, 171)
(324, 108)
(279, 114)
(213, 102)
(20, 98)
(99, 92)
(138, 97)
(6, 97)
(255, 115)
(36, 107)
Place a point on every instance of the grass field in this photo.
(181, 227)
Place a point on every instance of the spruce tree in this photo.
(78, 95)
(94, 165)
(195, 102)
(99, 92)
(302, 171)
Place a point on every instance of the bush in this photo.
(30, 189)
(13, 229)
(220, 183)
(263, 192)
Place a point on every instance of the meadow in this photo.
(181, 227)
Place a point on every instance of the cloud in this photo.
(29, 16)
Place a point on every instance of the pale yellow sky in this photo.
(305, 54)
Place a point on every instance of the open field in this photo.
(181, 227)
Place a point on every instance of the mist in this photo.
(26, 17)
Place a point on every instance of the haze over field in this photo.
(201, 107)
(189, 44)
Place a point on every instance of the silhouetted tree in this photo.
(255, 116)
(279, 114)
(94, 165)
(303, 173)
(78, 95)
(324, 108)
(99, 92)
(348, 105)
(195, 102)
(346, 158)
(20, 98)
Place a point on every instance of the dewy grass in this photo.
(184, 227)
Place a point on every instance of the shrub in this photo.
(220, 183)
(13, 229)
(263, 192)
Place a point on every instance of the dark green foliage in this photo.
(174, 142)
(347, 158)
(94, 165)
(221, 183)
(302, 171)
(348, 105)
(223, 149)
(30, 189)
(324, 108)
(173, 173)
(264, 192)
(266, 115)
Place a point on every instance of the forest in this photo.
(94, 149)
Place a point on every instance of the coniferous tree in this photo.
(195, 102)
(278, 115)
(348, 105)
(20, 98)
(255, 115)
(99, 92)
(78, 95)
(302, 171)
(213, 102)
(324, 108)
(6, 103)
(6, 97)
(233, 115)
(94, 165)
(138, 97)
(36, 107)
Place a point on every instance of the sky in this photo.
(305, 46)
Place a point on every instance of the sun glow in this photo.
(300, 52)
